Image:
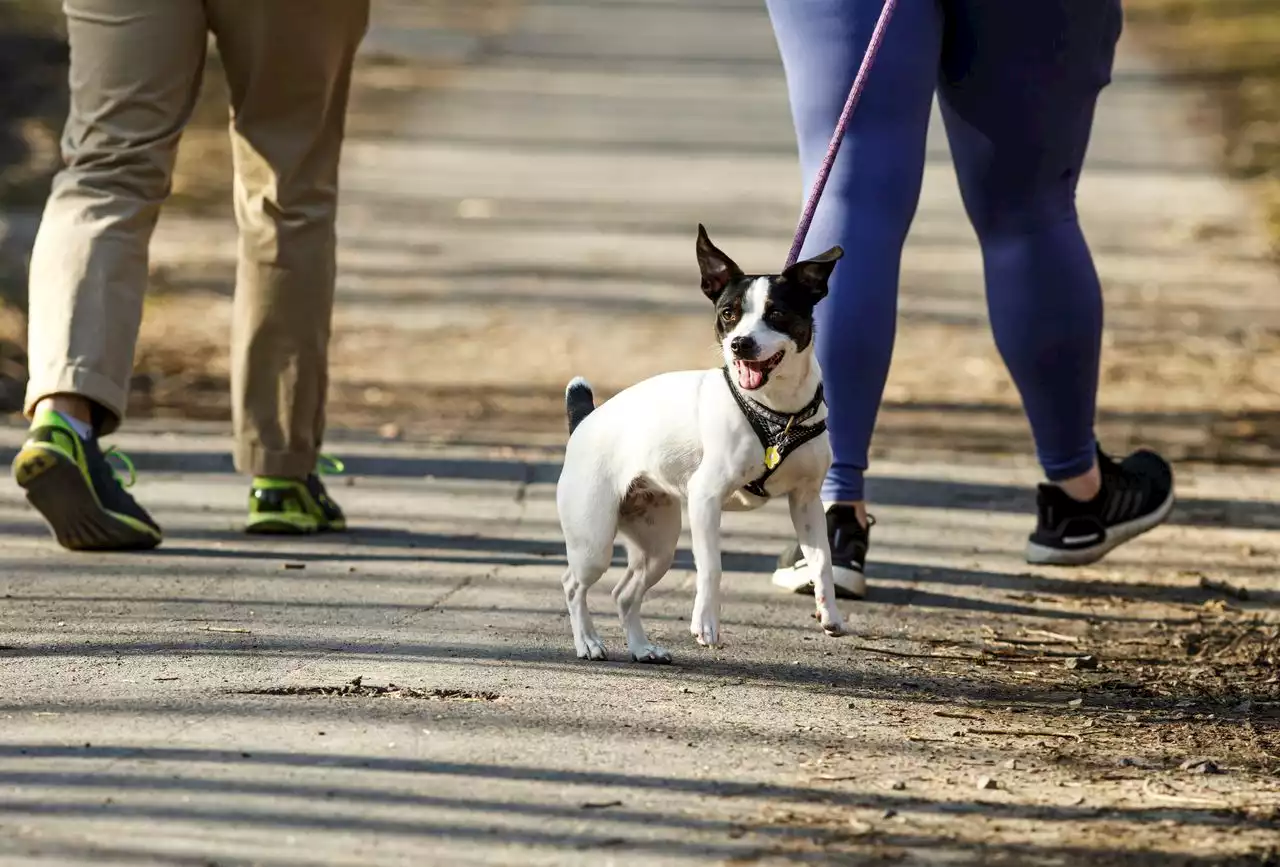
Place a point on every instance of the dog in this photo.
(729, 438)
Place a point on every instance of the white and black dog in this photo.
(728, 438)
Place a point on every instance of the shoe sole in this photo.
(276, 527)
(1044, 555)
(850, 583)
(57, 489)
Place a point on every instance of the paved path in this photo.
(126, 735)
(529, 217)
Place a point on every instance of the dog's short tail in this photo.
(579, 401)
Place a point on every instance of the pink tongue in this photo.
(749, 378)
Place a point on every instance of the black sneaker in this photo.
(849, 543)
(1136, 495)
(70, 482)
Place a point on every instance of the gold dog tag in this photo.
(771, 457)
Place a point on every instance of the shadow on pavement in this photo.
(336, 792)
(846, 671)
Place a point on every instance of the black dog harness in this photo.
(780, 433)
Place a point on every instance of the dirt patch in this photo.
(356, 688)
(33, 64)
(13, 376)
(473, 383)
(866, 837)
(33, 103)
(1226, 49)
(191, 385)
(1164, 749)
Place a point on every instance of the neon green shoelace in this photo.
(114, 452)
(328, 465)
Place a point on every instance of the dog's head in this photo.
(764, 323)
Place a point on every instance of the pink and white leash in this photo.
(820, 182)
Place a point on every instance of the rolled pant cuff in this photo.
(82, 382)
(254, 460)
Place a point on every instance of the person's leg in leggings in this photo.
(1018, 86)
(871, 197)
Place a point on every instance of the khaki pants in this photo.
(135, 73)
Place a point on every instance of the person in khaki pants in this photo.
(136, 67)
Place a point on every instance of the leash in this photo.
(778, 432)
(855, 93)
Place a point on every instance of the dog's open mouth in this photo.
(753, 374)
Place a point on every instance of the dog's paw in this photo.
(593, 649)
(835, 628)
(706, 630)
(832, 622)
(651, 654)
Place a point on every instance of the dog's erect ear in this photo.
(812, 274)
(718, 270)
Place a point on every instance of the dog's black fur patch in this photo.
(790, 300)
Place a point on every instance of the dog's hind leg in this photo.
(651, 537)
(588, 510)
(577, 581)
(588, 560)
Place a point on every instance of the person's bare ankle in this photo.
(70, 405)
(859, 508)
(1083, 487)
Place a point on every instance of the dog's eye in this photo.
(727, 314)
(775, 315)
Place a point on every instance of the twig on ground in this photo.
(1023, 642)
(1026, 733)
(1057, 637)
(966, 657)
(236, 630)
(1040, 659)
(1150, 790)
(950, 715)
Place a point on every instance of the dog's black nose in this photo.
(744, 347)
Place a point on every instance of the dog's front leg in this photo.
(811, 531)
(705, 505)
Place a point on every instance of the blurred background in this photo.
(523, 179)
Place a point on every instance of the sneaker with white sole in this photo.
(849, 543)
(1136, 496)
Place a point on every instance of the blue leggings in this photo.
(1017, 81)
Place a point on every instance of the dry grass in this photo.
(33, 106)
(1228, 49)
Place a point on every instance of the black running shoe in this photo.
(849, 543)
(1136, 495)
(70, 482)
